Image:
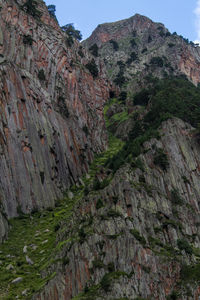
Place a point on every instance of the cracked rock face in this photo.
(48, 102)
(135, 235)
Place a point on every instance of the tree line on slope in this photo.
(170, 97)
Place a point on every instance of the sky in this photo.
(182, 16)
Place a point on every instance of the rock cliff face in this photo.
(140, 231)
(136, 47)
(49, 100)
(128, 227)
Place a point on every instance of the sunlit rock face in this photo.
(51, 110)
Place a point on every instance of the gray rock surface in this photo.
(137, 232)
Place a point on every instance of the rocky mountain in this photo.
(105, 192)
(137, 47)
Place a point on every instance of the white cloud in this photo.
(197, 13)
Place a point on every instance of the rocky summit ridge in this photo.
(99, 160)
(136, 47)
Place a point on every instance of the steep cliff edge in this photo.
(48, 101)
(138, 47)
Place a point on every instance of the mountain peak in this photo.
(137, 42)
(116, 30)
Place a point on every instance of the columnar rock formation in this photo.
(48, 102)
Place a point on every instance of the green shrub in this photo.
(52, 11)
(112, 94)
(142, 179)
(184, 245)
(190, 273)
(28, 40)
(82, 235)
(66, 261)
(105, 283)
(146, 269)
(113, 213)
(92, 67)
(161, 159)
(120, 78)
(109, 277)
(41, 75)
(111, 267)
(30, 7)
(114, 44)
(175, 224)
(99, 204)
(20, 213)
(63, 107)
(157, 61)
(85, 129)
(86, 191)
(121, 64)
(138, 163)
(97, 264)
(71, 31)
(115, 199)
(173, 296)
(144, 50)
(171, 45)
(161, 31)
(132, 58)
(150, 39)
(185, 179)
(133, 43)
(137, 235)
(96, 184)
(176, 198)
(123, 96)
(69, 41)
(80, 52)
(57, 227)
(142, 98)
(94, 50)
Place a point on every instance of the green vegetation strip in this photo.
(28, 250)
